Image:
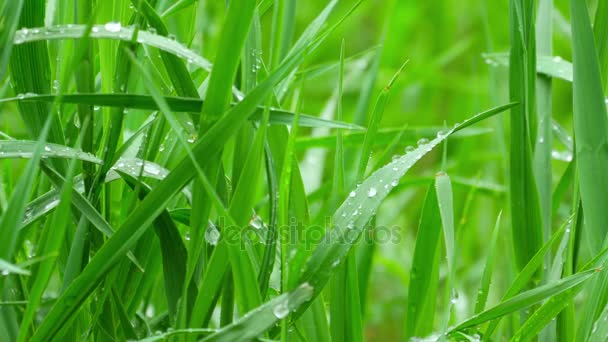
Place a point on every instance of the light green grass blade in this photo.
(422, 295)
(526, 299)
(25, 149)
(385, 136)
(7, 268)
(255, 322)
(445, 199)
(486, 277)
(35, 33)
(551, 66)
(544, 106)
(374, 123)
(232, 40)
(525, 207)
(600, 32)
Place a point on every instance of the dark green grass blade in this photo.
(591, 132)
(421, 295)
(176, 104)
(172, 248)
(525, 207)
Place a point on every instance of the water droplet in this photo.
(187, 236)
(281, 310)
(95, 29)
(423, 141)
(356, 212)
(352, 194)
(5, 272)
(47, 148)
(256, 222)
(335, 263)
(161, 148)
(395, 168)
(212, 235)
(409, 149)
(350, 226)
(113, 26)
(441, 134)
(394, 182)
(372, 192)
(191, 139)
(557, 59)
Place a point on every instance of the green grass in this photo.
(303, 171)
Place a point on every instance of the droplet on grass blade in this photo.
(113, 26)
(281, 310)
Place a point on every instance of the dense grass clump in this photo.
(303, 171)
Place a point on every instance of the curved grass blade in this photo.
(257, 321)
(351, 218)
(111, 31)
(25, 148)
(525, 299)
(176, 104)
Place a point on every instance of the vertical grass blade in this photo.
(525, 207)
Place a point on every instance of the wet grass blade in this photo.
(10, 12)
